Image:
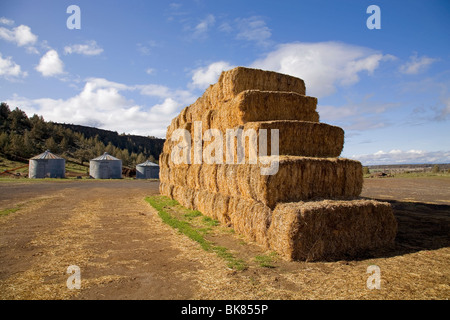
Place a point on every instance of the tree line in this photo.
(24, 137)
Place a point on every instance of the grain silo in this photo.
(105, 167)
(147, 170)
(46, 165)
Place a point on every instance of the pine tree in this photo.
(64, 144)
(28, 145)
(4, 113)
(99, 148)
(16, 147)
(152, 159)
(18, 120)
(125, 156)
(133, 158)
(110, 148)
(4, 142)
(39, 128)
(140, 158)
(51, 145)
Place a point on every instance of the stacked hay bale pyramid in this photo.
(309, 209)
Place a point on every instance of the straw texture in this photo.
(298, 179)
(328, 230)
(313, 230)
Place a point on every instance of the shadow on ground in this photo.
(421, 226)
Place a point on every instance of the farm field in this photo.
(124, 250)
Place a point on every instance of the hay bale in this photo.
(301, 138)
(166, 189)
(329, 229)
(297, 179)
(230, 84)
(256, 105)
(250, 218)
(247, 106)
(164, 173)
(236, 80)
(297, 138)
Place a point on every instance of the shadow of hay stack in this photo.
(421, 226)
(310, 209)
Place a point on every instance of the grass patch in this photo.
(266, 260)
(410, 174)
(5, 212)
(210, 222)
(422, 175)
(164, 205)
(192, 214)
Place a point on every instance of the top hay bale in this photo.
(234, 81)
(251, 90)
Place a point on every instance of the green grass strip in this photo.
(162, 204)
(266, 261)
(5, 212)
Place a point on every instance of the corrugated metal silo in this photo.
(105, 167)
(147, 170)
(46, 165)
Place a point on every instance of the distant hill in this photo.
(22, 137)
(149, 146)
(408, 167)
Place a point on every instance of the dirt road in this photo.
(124, 251)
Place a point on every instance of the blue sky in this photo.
(133, 65)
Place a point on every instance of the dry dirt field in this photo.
(125, 251)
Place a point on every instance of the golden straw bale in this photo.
(301, 138)
(164, 173)
(297, 179)
(255, 105)
(297, 138)
(220, 208)
(166, 189)
(236, 80)
(250, 218)
(330, 229)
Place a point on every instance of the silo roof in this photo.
(46, 155)
(105, 156)
(148, 164)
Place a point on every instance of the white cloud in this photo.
(416, 64)
(225, 27)
(203, 77)
(332, 113)
(163, 92)
(150, 71)
(253, 29)
(175, 5)
(50, 64)
(444, 112)
(396, 156)
(146, 48)
(359, 114)
(323, 65)
(104, 104)
(90, 48)
(204, 25)
(6, 21)
(168, 107)
(21, 35)
(9, 69)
